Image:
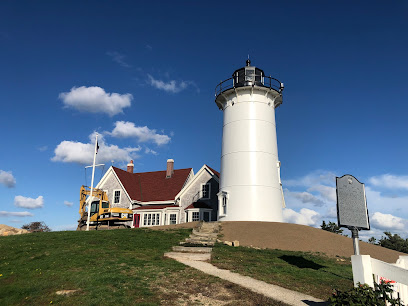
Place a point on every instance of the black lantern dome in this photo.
(249, 76)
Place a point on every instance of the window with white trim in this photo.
(196, 216)
(151, 219)
(224, 205)
(205, 191)
(173, 219)
(116, 197)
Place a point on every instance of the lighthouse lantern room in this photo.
(250, 185)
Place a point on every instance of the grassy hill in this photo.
(128, 267)
(108, 268)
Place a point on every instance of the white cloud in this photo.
(390, 181)
(305, 197)
(30, 203)
(7, 179)
(94, 99)
(305, 216)
(67, 203)
(150, 151)
(386, 204)
(171, 86)
(331, 212)
(326, 192)
(118, 58)
(15, 214)
(125, 129)
(387, 222)
(315, 178)
(82, 153)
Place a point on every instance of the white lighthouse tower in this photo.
(250, 186)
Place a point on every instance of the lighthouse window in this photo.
(224, 205)
(249, 74)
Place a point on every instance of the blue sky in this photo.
(143, 76)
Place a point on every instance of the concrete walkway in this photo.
(196, 249)
(272, 291)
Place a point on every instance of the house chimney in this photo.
(170, 168)
(130, 167)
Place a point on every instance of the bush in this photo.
(365, 295)
(36, 227)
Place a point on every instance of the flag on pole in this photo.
(97, 147)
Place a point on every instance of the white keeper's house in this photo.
(163, 197)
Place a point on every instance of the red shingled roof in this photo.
(155, 207)
(198, 205)
(214, 171)
(152, 186)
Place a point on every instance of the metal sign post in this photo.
(352, 207)
(354, 235)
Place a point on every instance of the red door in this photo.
(136, 220)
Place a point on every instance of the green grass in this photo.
(107, 268)
(313, 274)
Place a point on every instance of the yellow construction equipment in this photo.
(103, 216)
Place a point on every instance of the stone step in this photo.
(188, 256)
(204, 236)
(208, 226)
(203, 233)
(201, 239)
(191, 249)
(197, 243)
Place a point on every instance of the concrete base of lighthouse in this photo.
(256, 208)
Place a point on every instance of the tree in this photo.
(36, 227)
(331, 227)
(372, 240)
(394, 242)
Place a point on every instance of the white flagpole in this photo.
(92, 181)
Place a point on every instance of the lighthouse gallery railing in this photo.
(250, 80)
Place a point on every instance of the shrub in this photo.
(36, 227)
(365, 295)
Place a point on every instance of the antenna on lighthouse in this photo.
(250, 185)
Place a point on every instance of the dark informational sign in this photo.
(351, 203)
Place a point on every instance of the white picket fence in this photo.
(364, 267)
